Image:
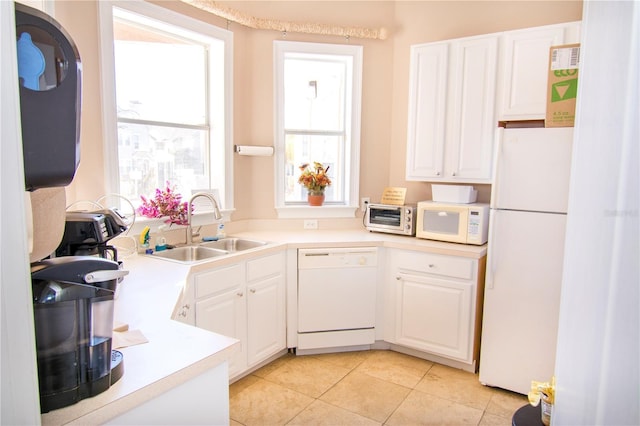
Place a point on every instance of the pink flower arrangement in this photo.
(167, 202)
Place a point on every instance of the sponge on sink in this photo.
(144, 235)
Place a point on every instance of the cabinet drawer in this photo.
(449, 266)
(217, 280)
(264, 267)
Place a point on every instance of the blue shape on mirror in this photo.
(31, 63)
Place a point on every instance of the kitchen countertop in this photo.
(175, 352)
(280, 240)
(178, 352)
(361, 238)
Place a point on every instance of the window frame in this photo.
(350, 206)
(109, 110)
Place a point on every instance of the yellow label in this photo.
(394, 196)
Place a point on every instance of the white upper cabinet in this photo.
(459, 90)
(427, 113)
(451, 110)
(472, 124)
(524, 69)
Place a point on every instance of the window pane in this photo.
(314, 92)
(149, 156)
(159, 77)
(325, 149)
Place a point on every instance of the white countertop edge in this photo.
(122, 405)
(361, 238)
(133, 389)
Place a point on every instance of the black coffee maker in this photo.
(73, 301)
(73, 312)
(88, 233)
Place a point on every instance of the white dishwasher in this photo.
(336, 297)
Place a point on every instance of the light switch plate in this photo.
(311, 224)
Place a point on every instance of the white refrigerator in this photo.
(525, 255)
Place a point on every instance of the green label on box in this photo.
(563, 90)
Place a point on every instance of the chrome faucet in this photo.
(216, 212)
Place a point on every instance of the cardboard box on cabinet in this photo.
(562, 86)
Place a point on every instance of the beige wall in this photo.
(385, 80)
(80, 19)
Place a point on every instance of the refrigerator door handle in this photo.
(496, 168)
(490, 250)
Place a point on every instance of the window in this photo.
(317, 89)
(170, 117)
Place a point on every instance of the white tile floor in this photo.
(367, 388)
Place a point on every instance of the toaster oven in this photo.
(391, 219)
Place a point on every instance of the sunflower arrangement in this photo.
(314, 178)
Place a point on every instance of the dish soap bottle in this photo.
(221, 234)
(161, 244)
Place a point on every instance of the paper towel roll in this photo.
(261, 151)
(48, 213)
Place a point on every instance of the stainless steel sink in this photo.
(190, 254)
(233, 244)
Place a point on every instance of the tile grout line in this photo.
(352, 369)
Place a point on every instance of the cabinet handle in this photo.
(431, 265)
(239, 294)
(183, 311)
(437, 173)
(453, 174)
(398, 278)
(253, 290)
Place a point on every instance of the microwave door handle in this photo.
(490, 250)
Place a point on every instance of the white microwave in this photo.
(455, 223)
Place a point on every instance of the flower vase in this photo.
(315, 198)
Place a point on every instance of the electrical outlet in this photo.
(311, 224)
(364, 201)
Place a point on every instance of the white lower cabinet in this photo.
(226, 314)
(246, 301)
(431, 303)
(435, 303)
(433, 315)
(266, 322)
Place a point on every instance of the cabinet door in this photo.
(434, 315)
(525, 67)
(266, 332)
(427, 111)
(226, 314)
(451, 122)
(471, 127)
